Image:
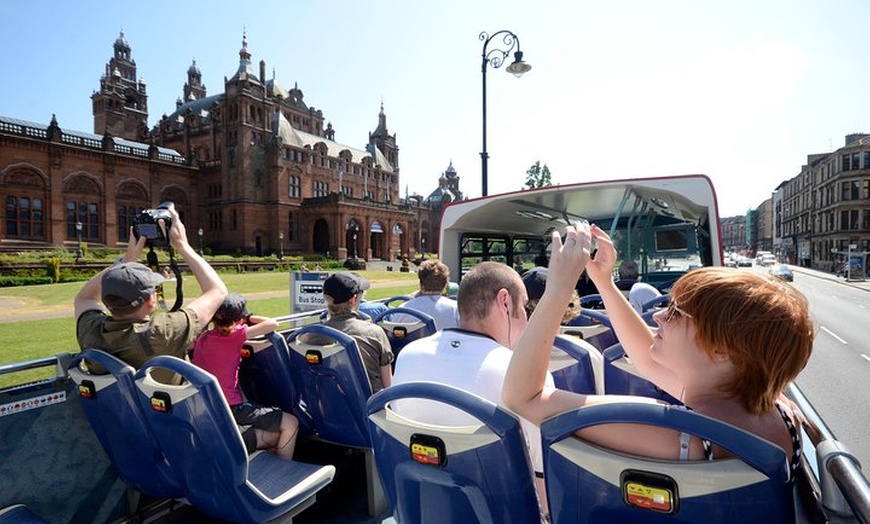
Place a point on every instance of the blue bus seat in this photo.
(622, 378)
(265, 374)
(110, 403)
(333, 389)
(661, 300)
(404, 325)
(651, 307)
(333, 384)
(589, 484)
(399, 298)
(19, 514)
(438, 474)
(593, 326)
(203, 445)
(576, 365)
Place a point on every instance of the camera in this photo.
(145, 224)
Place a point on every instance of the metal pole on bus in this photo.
(496, 58)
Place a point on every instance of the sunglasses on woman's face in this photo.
(674, 311)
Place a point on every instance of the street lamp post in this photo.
(79, 253)
(199, 233)
(355, 229)
(496, 58)
(423, 244)
(281, 245)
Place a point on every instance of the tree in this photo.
(537, 176)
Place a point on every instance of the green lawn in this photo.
(33, 339)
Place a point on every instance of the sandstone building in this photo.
(254, 168)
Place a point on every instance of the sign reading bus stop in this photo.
(306, 291)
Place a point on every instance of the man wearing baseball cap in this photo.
(342, 293)
(131, 330)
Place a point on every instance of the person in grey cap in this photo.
(131, 330)
(342, 293)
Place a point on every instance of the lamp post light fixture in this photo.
(355, 229)
(496, 58)
(79, 253)
(199, 233)
(281, 245)
(423, 246)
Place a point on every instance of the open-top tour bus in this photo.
(87, 448)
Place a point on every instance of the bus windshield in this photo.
(666, 225)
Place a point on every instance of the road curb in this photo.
(863, 285)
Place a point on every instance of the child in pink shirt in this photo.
(219, 351)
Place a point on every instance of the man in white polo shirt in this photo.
(475, 356)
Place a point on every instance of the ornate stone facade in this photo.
(253, 167)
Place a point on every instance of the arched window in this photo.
(86, 213)
(25, 217)
(25, 193)
(295, 186)
(82, 206)
(130, 198)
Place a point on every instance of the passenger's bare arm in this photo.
(214, 291)
(387, 376)
(525, 390)
(632, 332)
(259, 326)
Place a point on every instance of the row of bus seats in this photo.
(181, 442)
(593, 324)
(326, 386)
(402, 325)
(482, 473)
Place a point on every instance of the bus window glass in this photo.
(476, 248)
(671, 240)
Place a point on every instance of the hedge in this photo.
(24, 281)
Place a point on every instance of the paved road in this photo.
(836, 378)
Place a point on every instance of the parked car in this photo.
(782, 271)
(744, 262)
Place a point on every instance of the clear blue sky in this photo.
(741, 90)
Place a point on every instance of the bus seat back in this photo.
(438, 474)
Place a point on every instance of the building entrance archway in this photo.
(320, 238)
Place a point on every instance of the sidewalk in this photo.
(857, 284)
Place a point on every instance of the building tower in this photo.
(120, 107)
(193, 88)
(385, 142)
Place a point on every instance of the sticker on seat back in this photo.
(649, 491)
(428, 449)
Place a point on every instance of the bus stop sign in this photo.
(306, 291)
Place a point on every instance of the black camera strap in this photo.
(154, 264)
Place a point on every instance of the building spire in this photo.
(381, 130)
(244, 55)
